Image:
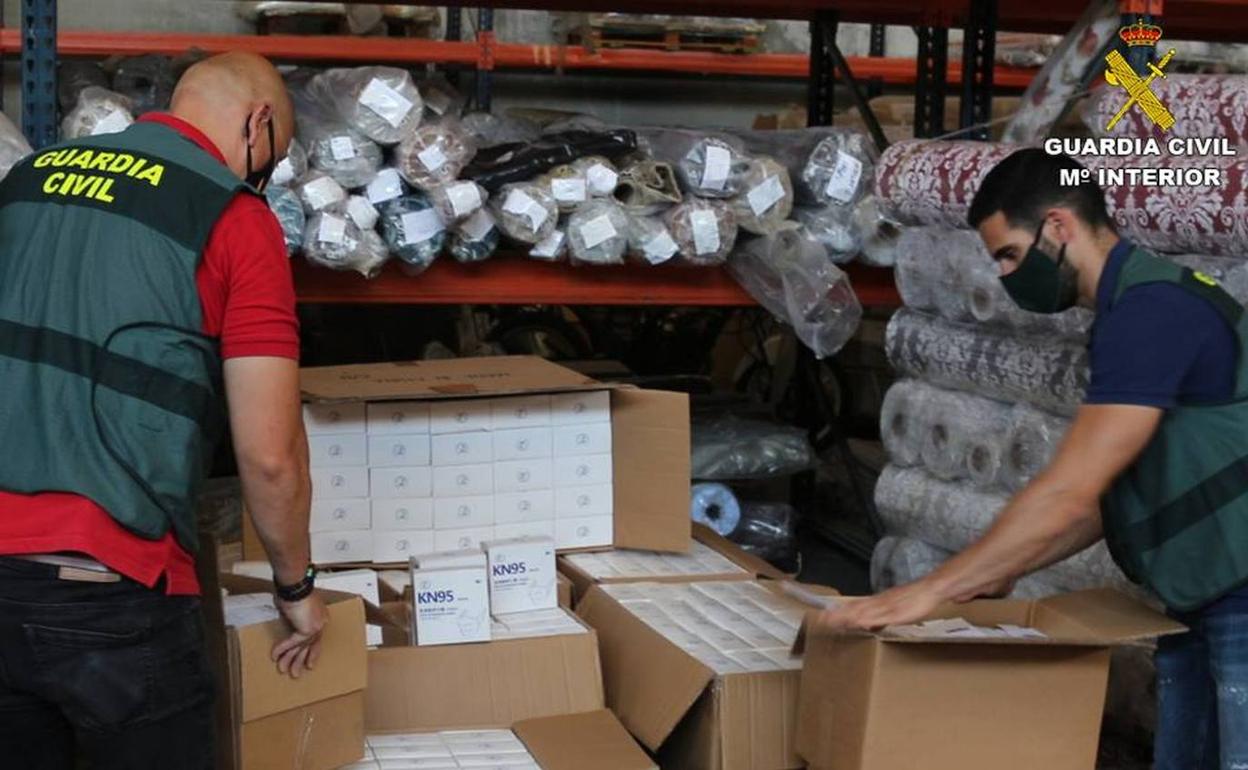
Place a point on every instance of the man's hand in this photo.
(308, 617)
(896, 606)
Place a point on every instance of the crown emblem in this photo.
(1140, 33)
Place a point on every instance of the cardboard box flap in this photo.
(650, 438)
(650, 682)
(736, 554)
(593, 740)
(1111, 616)
(450, 378)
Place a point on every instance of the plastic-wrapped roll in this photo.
(897, 561)
(456, 201)
(1033, 439)
(147, 81)
(841, 169)
(441, 98)
(833, 227)
(13, 145)
(380, 102)
(925, 278)
(957, 425)
(766, 199)
(288, 209)
(903, 421)
(292, 167)
(475, 239)
(598, 233)
(647, 188)
(878, 233)
(75, 75)
(351, 158)
(796, 148)
(434, 154)
(525, 212)
(1051, 374)
(385, 186)
(990, 304)
(715, 506)
(363, 213)
(704, 230)
(568, 186)
(714, 169)
(318, 190)
(601, 176)
(333, 240)
(552, 248)
(649, 241)
(98, 111)
(488, 130)
(413, 231)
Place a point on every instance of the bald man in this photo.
(143, 284)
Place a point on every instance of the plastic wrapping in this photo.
(382, 103)
(501, 165)
(647, 187)
(1033, 440)
(789, 274)
(878, 233)
(363, 213)
(74, 75)
(715, 506)
(147, 81)
(351, 158)
(964, 435)
(568, 186)
(732, 448)
(13, 145)
(333, 240)
(525, 212)
(705, 230)
(601, 175)
(475, 239)
(441, 98)
(709, 166)
(811, 158)
(489, 130)
(292, 167)
(288, 209)
(767, 530)
(897, 561)
(98, 111)
(1050, 374)
(766, 199)
(413, 231)
(902, 422)
(456, 201)
(552, 248)
(318, 190)
(598, 233)
(434, 154)
(385, 186)
(649, 241)
(833, 227)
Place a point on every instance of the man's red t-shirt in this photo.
(248, 301)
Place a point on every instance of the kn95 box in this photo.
(522, 574)
(451, 605)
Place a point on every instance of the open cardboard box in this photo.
(753, 567)
(677, 706)
(887, 702)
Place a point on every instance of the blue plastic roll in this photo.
(715, 506)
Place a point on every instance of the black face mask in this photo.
(1042, 283)
(259, 178)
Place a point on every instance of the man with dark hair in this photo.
(1156, 460)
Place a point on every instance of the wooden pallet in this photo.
(670, 33)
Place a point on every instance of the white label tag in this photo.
(602, 180)
(660, 248)
(705, 232)
(437, 100)
(332, 230)
(549, 247)
(844, 179)
(477, 226)
(321, 192)
(597, 230)
(385, 186)
(464, 198)
(283, 173)
(568, 190)
(391, 105)
(112, 123)
(715, 170)
(420, 226)
(765, 195)
(521, 204)
(361, 212)
(432, 157)
(342, 148)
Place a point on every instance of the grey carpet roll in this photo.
(1033, 440)
(900, 560)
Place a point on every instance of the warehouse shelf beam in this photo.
(979, 46)
(931, 81)
(38, 51)
(821, 85)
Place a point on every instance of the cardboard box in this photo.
(563, 588)
(883, 702)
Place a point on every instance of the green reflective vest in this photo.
(1176, 520)
(108, 388)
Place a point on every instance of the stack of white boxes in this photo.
(476, 749)
(397, 478)
(627, 564)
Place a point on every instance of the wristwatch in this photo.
(298, 591)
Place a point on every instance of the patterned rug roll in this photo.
(1202, 105)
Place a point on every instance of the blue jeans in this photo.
(1202, 691)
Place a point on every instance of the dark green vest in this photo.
(1176, 520)
(108, 388)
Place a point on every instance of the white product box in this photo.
(523, 444)
(586, 532)
(339, 483)
(335, 450)
(463, 481)
(517, 507)
(400, 545)
(403, 513)
(391, 483)
(462, 449)
(452, 539)
(459, 416)
(578, 440)
(342, 547)
(583, 470)
(331, 515)
(584, 501)
(543, 528)
(398, 417)
(523, 475)
(462, 512)
(465, 557)
(451, 606)
(520, 412)
(398, 450)
(577, 408)
(522, 575)
(333, 418)
(362, 583)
